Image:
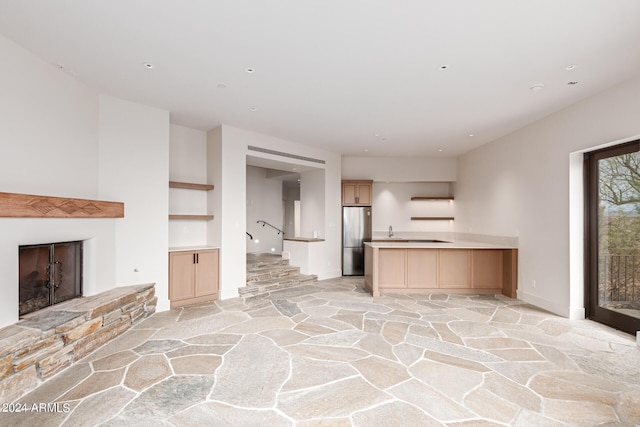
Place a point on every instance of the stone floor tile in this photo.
(284, 337)
(446, 334)
(376, 345)
(360, 306)
(526, 418)
(392, 412)
(557, 357)
(253, 326)
(628, 407)
(199, 349)
(424, 331)
(330, 323)
(407, 354)
(518, 354)
(326, 422)
(505, 315)
(579, 413)
(552, 387)
(475, 423)
(466, 329)
(167, 398)
(100, 407)
(511, 391)
(195, 327)
(147, 371)
(242, 380)
(338, 399)
(156, 322)
(58, 385)
(455, 361)
(451, 381)
(158, 346)
(429, 400)
(382, 373)
(490, 406)
(115, 361)
(196, 365)
(94, 383)
(314, 302)
(127, 341)
(214, 339)
(373, 325)
(311, 328)
(346, 338)
(221, 415)
(616, 367)
(496, 343)
(395, 332)
(354, 318)
(452, 349)
(326, 352)
(521, 372)
(268, 311)
(308, 373)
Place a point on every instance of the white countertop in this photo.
(191, 248)
(402, 243)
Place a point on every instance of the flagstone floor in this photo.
(329, 354)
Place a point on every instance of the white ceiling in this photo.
(336, 73)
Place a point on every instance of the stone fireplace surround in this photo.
(50, 340)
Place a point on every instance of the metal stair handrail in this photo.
(266, 223)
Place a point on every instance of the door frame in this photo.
(591, 196)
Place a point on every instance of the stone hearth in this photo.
(50, 340)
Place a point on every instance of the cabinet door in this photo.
(391, 268)
(453, 268)
(181, 275)
(364, 194)
(486, 268)
(422, 265)
(207, 272)
(349, 191)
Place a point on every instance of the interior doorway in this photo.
(612, 208)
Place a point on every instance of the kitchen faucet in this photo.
(390, 231)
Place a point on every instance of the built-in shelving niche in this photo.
(191, 186)
(432, 218)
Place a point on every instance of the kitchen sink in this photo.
(427, 241)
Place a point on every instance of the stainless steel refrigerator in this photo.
(356, 229)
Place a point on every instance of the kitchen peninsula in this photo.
(394, 265)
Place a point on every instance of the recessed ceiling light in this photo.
(366, 150)
(249, 70)
(222, 86)
(377, 135)
(440, 150)
(570, 67)
(572, 83)
(254, 109)
(537, 88)
(148, 65)
(443, 67)
(470, 134)
(295, 169)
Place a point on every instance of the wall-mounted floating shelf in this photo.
(191, 217)
(190, 185)
(432, 198)
(431, 218)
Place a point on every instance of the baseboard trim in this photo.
(544, 303)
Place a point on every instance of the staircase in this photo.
(268, 272)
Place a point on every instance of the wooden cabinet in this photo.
(453, 267)
(392, 268)
(193, 276)
(422, 268)
(486, 268)
(356, 193)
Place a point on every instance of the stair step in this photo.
(270, 273)
(266, 286)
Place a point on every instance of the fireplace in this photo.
(49, 274)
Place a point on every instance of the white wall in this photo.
(392, 205)
(400, 169)
(227, 152)
(291, 195)
(264, 202)
(312, 204)
(50, 140)
(519, 186)
(187, 163)
(134, 169)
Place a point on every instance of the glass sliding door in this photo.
(613, 236)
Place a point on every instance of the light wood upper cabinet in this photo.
(356, 193)
(193, 276)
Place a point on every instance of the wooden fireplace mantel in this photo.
(14, 205)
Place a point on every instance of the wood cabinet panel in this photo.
(486, 268)
(422, 268)
(392, 268)
(453, 268)
(193, 276)
(356, 193)
(181, 275)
